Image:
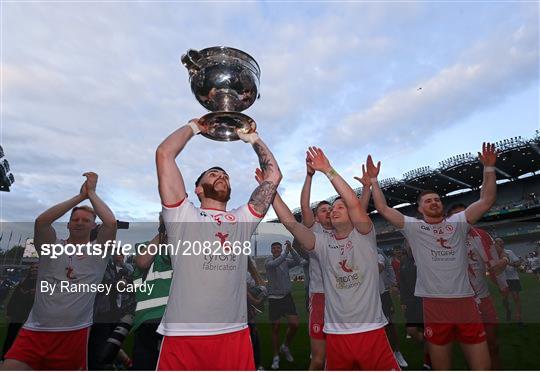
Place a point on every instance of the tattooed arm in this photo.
(263, 195)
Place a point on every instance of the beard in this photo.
(211, 193)
(434, 213)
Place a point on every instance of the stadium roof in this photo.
(517, 157)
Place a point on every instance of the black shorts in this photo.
(387, 305)
(514, 285)
(414, 313)
(536, 271)
(278, 307)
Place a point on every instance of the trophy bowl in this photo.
(225, 81)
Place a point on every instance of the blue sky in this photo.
(97, 86)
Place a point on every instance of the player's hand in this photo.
(197, 126)
(371, 169)
(364, 180)
(318, 160)
(84, 191)
(91, 182)
(250, 137)
(488, 157)
(309, 169)
(288, 246)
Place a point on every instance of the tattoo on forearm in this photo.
(265, 159)
(262, 197)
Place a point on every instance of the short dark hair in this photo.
(203, 173)
(320, 204)
(425, 192)
(455, 206)
(276, 243)
(336, 199)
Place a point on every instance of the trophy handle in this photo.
(190, 60)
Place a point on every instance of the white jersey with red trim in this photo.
(440, 253)
(64, 299)
(482, 255)
(208, 291)
(316, 284)
(351, 283)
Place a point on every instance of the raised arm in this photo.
(108, 228)
(262, 196)
(305, 236)
(488, 194)
(390, 214)
(357, 214)
(144, 260)
(366, 188)
(170, 182)
(44, 233)
(295, 260)
(308, 219)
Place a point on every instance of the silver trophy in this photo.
(225, 81)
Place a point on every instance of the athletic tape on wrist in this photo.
(331, 174)
(194, 127)
(489, 169)
(373, 180)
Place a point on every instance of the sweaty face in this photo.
(339, 212)
(81, 223)
(215, 185)
(431, 206)
(276, 250)
(322, 214)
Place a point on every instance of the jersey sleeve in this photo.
(410, 225)
(185, 211)
(248, 219)
(460, 219)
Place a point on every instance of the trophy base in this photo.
(224, 125)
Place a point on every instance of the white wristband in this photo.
(194, 127)
(489, 169)
(374, 180)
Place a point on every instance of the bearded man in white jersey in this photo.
(353, 318)
(55, 335)
(205, 322)
(439, 248)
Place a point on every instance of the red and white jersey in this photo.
(65, 307)
(440, 253)
(208, 291)
(482, 255)
(351, 282)
(316, 284)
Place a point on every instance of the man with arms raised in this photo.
(55, 335)
(354, 321)
(439, 248)
(318, 221)
(205, 322)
